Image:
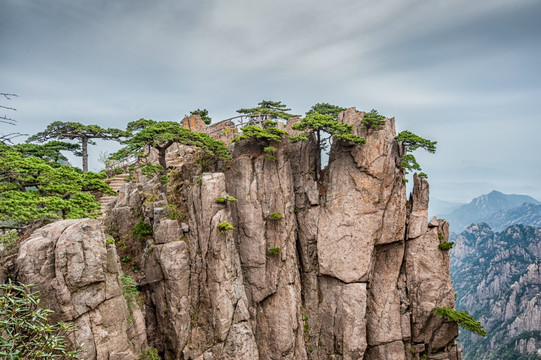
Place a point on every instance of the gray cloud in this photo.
(461, 72)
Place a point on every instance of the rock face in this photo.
(78, 277)
(498, 279)
(332, 264)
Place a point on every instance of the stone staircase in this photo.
(115, 184)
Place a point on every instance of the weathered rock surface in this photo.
(498, 279)
(332, 264)
(78, 277)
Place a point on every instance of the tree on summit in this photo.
(161, 135)
(204, 115)
(77, 131)
(274, 109)
(318, 124)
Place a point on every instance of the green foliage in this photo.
(224, 226)
(274, 109)
(274, 251)
(423, 175)
(462, 318)
(110, 241)
(268, 132)
(150, 170)
(413, 142)
(50, 151)
(77, 131)
(446, 245)
(25, 328)
(129, 290)
(224, 199)
(204, 115)
(33, 189)
(326, 109)
(440, 236)
(125, 259)
(275, 216)
(270, 149)
(9, 241)
(161, 135)
(318, 122)
(141, 230)
(373, 120)
(199, 181)
(149, 354)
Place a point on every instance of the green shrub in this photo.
(110, 241)
(462, 318)
(224, 199)
(25, 328)
(270, 149)
(9, 241)
(149, 354)
(141, 230)
(129, 290)
(224, 226)
(125, 259)
(440, 236)
(199, 181)
(446, 245)
(274, 251)
(275, 216)
(373, 120)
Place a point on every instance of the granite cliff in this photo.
(345, 267)
(497, 276)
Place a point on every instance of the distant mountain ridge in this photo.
(497, 277)
(496, 209)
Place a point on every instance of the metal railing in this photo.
(238, 122)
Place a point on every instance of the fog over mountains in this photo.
(496, 209)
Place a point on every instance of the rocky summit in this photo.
(262, 257)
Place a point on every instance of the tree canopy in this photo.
(50, 151)
(413, 142)
(274, 109)
(267, 132)
(77, 131)
(204, 115)
(34, 189)
(326, 109)
(161, 135)
(372, 120)
(317, 124)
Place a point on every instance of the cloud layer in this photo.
(461, 72)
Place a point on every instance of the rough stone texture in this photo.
(218, 297)
(262, 187)
(354, 271)
(78, 277)
(224, 131)
(428, 282)
(194, 123)
(364, 202)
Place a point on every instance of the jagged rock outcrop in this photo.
(318, 265)
(498, 279)
(78, 276)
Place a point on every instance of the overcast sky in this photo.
(465, 73)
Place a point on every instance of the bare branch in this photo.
(7, 95)
(8, 137)
(5, 120)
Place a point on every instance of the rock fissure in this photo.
(352, 272)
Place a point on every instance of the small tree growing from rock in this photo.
(318, 124)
